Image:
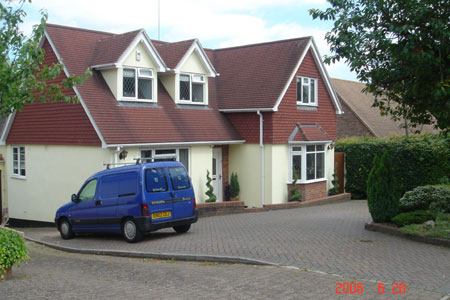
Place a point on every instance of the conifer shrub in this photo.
(210, 192)
(413, 217)
(234, 185)
(381, 197)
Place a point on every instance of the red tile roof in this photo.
(251, 76)
(309, 133)
(254, 76)
(123, 124)
(172, 53)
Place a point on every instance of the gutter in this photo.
(261, 145)
(177, 144)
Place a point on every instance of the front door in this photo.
(217, 173)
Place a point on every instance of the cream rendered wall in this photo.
(111, 77)
(194, 64)
(329, 166)
(170, 82)
(245, 160)
(53, 174)
(3, 180)
(276, 173)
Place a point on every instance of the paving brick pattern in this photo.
(53, 274)
(329, 238)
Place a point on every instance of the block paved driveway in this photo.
(329, 238)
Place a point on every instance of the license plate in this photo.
(162, 214)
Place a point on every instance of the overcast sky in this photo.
(216, 24)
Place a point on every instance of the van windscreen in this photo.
(155, 179)
(179, 178)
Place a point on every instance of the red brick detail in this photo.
(55, 123)
(349, 124)
(312, 191)
(247, 124)
(279, 125)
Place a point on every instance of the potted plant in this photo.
(234, 187)
(12, 251)
(210, 192)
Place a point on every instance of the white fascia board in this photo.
(237, 110)
(142, 37)
(288, 83)
(196, 46)
(326, 77)
(105, 66)
(7, 128)
(177, 144)
(83, 104)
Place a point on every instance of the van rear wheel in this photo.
(182, 228)
(65, 229)
(131, 232)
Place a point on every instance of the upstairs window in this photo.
(19, 161)
(192, 88)
(138, 84)
(306, 91)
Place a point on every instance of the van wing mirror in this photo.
(74, 198)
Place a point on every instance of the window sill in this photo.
(137, 100)
(184, 102)
(19, 177)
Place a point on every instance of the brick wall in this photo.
(348, 124)
(312, 191)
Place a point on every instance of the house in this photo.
(360, 118)
(263, 111)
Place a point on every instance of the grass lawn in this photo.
(440, 230)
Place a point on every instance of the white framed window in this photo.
(306, 91)
(169, 154)
(192, 88)
(138, 84)
(18, 159)
(307, 162)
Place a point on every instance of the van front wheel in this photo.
(182, 228)
(65, 229)
(130, 231)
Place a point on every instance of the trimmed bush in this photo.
(381, 197)
(428, 197)
(210, 189)
(419, 160)
(413, 217)
(12, 250)
(294, 193)
(234, 185)
(335, 189)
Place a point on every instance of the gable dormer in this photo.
(187, 81)
(129, 64)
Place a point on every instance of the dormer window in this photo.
(192, 88)
(306, 91)
(143, 85)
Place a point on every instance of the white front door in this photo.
(217, 173)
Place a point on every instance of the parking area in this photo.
(329, 239)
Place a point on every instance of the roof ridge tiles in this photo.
(116, 36)
(168, 44)
(263, 43)
(79, 29)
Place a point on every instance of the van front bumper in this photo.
(145, 224)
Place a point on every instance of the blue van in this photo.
(131, 200)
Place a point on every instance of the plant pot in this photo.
(234, 199)
(7, 275)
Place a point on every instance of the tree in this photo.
(210, 192)
(400, 49)
(381, 197)
(23, 77)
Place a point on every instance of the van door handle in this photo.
(98, 202)
(172, 194)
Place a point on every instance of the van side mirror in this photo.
(74, 198)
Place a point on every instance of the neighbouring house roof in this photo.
(308, 133)
(360, 103)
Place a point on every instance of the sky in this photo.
(217, 24)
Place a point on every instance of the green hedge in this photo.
(419, 160)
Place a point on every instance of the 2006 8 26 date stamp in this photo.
(358, 288)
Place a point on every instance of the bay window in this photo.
(307, 162)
